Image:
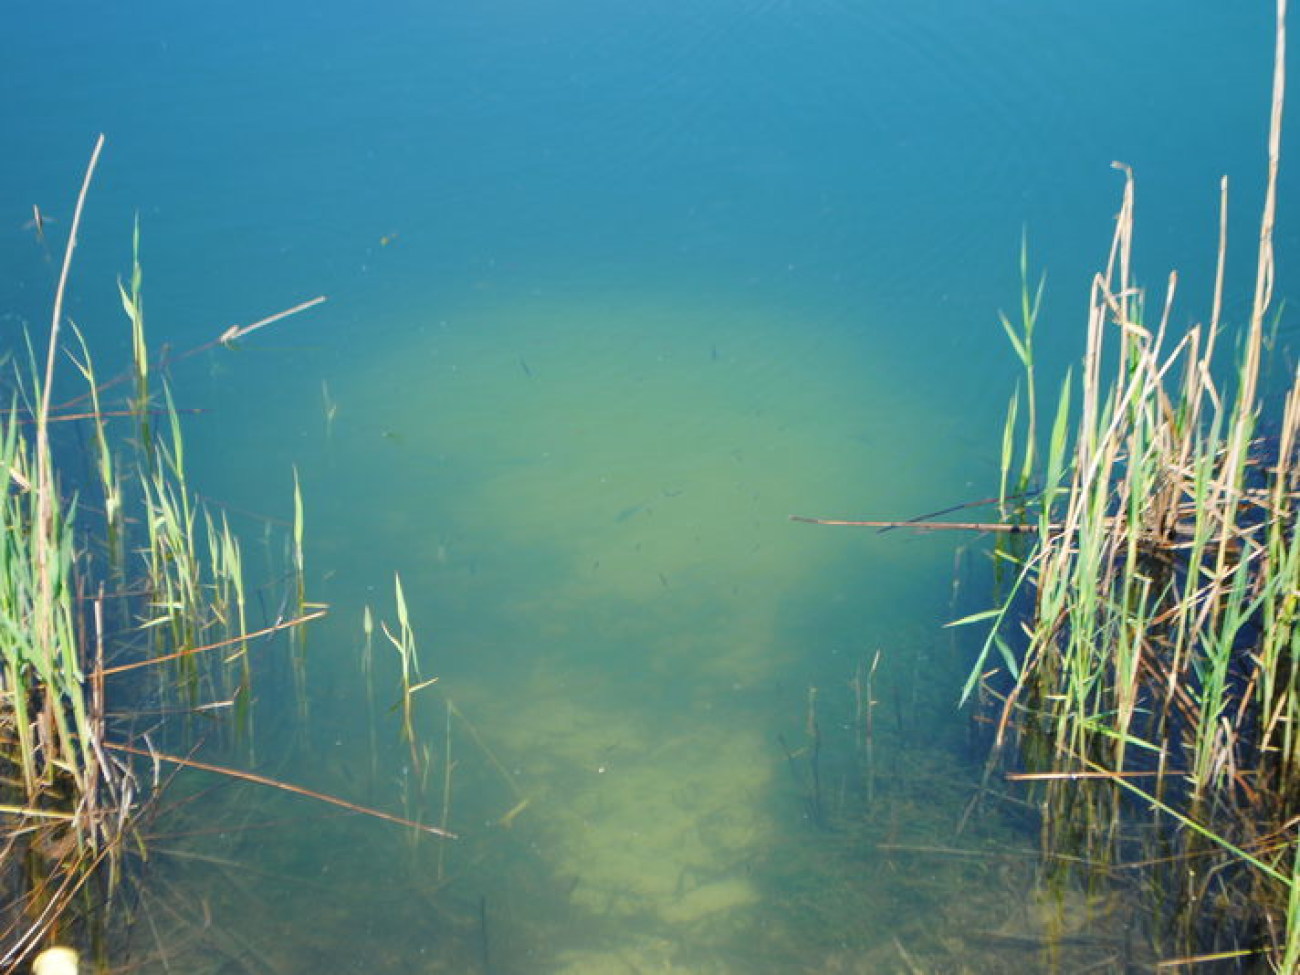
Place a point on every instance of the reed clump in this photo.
(1149, 644)
(123, 616)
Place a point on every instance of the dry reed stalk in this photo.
(234, 773)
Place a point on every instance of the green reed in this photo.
(1150, 635)
(403, 641)
(173, 576)
(133, 305)
(416, 775)
(110, 482)
(49, 720)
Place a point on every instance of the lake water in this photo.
(613, 290)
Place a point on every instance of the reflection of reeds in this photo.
(1159, 656)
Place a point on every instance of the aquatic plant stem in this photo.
(276, 784)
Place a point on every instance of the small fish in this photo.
(37, 223)
(630, 512)
(331, 408)
(523, 364)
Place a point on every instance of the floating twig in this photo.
(952, 526)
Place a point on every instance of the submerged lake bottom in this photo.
(598, 838)
(672, 730)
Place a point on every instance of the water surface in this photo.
(613, 291)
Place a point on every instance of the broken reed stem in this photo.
(488, 753)
(368, 673)
(298, 637)
(165, 359)
(446, 785)
(239, 639)
(277, 784)
(869, 737)
(962, 526)
(816, 809)
(236, 332)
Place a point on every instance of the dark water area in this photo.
(613, 290)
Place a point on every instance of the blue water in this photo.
(613, 289)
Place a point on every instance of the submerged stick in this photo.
(225, 339)
(239, 331)
(190, 651)
(963, 526)
(446, 794)
(815, 806)
(869, 741)
(275, 784)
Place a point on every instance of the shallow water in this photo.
(613, 291)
